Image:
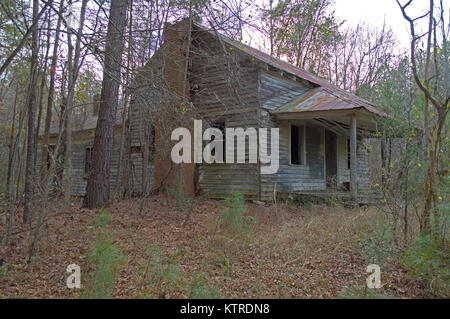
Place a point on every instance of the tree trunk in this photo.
(73, 62)
(126, 105)
(11, 146)
(41, 92)
(97, 191)
(31, 150)
(51, 92)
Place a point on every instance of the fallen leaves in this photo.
(306, 254)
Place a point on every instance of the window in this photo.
(348, 153)
(88, 160)
(135, 149)
(298, 144)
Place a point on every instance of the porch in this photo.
(344, 124)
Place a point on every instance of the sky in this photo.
(374, 12)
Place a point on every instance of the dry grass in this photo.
(294, 253)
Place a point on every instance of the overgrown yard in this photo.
(159, 251)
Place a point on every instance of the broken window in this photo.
(298, 144)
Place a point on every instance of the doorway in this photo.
(331, 159)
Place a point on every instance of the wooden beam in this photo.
(341, 131)
(353, 163)
(325, 125)
(311, 114)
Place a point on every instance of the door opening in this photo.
(331, 159)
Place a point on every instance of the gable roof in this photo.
(344, 100)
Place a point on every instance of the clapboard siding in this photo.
(147, 95)
(362, 167)
(79, 176)
(290, 178)
(276, 91)
(225, 89)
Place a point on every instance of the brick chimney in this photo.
(174, 50)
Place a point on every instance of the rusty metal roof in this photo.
(324, 99)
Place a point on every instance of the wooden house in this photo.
(201, 74)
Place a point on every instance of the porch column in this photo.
(353, 164)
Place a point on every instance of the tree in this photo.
(73, 68)
(301, 31)
(97, 191)
(36, 16)
(51, 92)
(32, 103)
(359, 57)
(431, 71)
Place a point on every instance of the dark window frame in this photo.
(297, 144)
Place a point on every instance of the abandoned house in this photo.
(198, 73)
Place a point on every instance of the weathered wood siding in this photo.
(224, 86)
(228, 86)
(78, 174)
(81, 142)
(290, 178)
(135, 175)
(362, 168)
(147, 92)
(276, 91)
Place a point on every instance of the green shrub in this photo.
(104, 258)
(234, 219)
(199, 289)
(379, 245)
(161, 271)
(102, 220)
(428, 259)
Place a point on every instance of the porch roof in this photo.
(322, 99)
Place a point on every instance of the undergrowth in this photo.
(428, 258)
(104, 259)
(161, 272)
(200, 289)
(234, 220)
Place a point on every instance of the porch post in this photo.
(353, 164)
